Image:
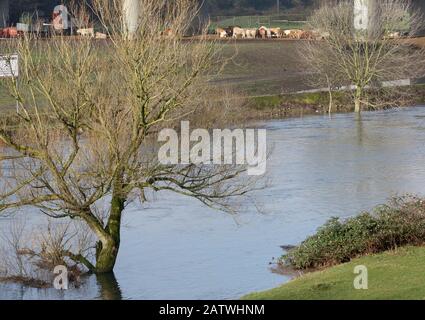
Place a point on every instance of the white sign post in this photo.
(9, 68)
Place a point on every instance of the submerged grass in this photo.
(299, 104)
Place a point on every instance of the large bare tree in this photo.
(88, 113)
(364, 56)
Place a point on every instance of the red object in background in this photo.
(9, 32)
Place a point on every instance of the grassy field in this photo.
(6, 101)
(395, 275)
(268, 67)
(257, 67)
(246, 22)
(268, 70)
(263, 67)
(284, 21)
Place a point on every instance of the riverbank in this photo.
(245, 109)
(308, 103)
(388, 241)
(392, 275)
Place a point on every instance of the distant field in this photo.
(6, 101)
(264, 67)
(258, 67)
(258, 21)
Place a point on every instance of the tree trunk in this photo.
(357, 105)
(358, 100)
(107, 250)
(330, 100)
(330, 94)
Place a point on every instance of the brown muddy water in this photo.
(174, 248)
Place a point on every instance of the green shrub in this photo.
(401, 222)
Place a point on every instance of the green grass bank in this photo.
(300, 104)
(389, 241)
(394, 275)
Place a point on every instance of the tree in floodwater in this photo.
(365, 52)
(88, 116)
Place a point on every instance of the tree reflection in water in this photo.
(109, 288)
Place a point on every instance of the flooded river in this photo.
(174, 248)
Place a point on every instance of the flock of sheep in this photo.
(265, 33)
(269, 33)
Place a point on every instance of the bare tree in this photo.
(89, 111)
(368, 58)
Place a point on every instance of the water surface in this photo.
(174, 248)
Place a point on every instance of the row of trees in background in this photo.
(44, 8)
(20, 7)
(249, 7)
(212, 7)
